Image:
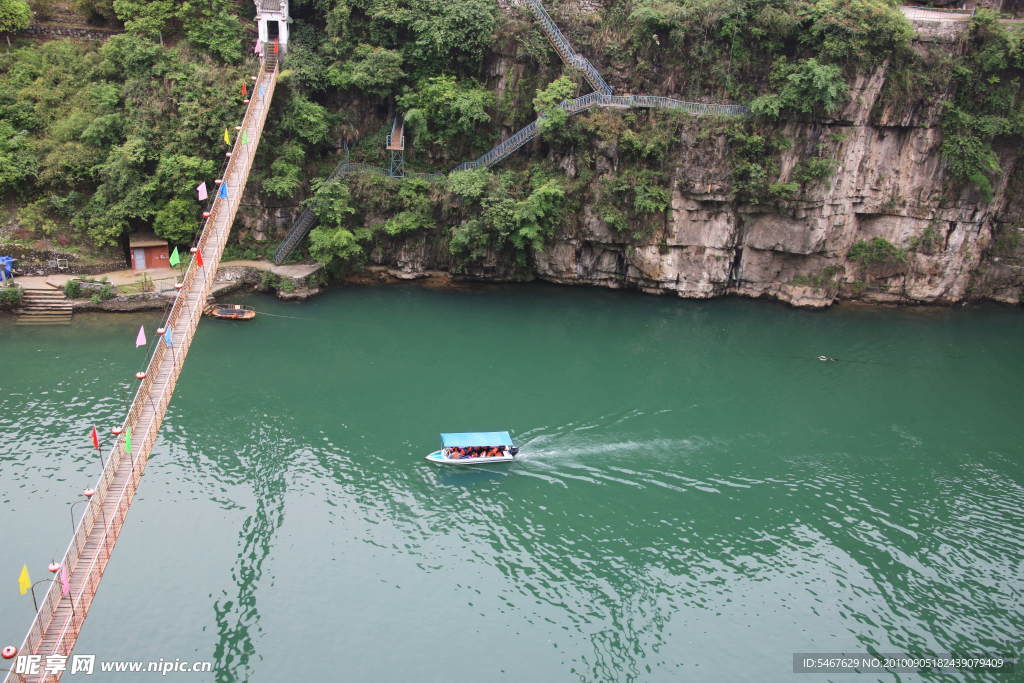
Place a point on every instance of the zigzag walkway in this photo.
(564, 48)
(594, 99)
(601, 97)
(59, 620)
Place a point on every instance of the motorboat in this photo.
(474, 448)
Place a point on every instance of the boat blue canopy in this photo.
(470, 439)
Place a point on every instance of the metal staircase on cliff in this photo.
(595, 99)
(564, 48)
(59, 619)
(601, 97)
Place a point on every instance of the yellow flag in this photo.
(23, 581)
(227, 138)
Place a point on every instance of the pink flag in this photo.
(141, 339)
(64, 583)
(201, 189)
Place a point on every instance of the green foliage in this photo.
(105, 292)
(807, 87)
(306, 119)
(513, 216)
(98, 11)
(987, 103)
(859, 31)
(814, 169)
(415, 205)
(10, 296)
(146, 17)
(825, 279)
(469, 184)
(334, 238)
(176, 221)
(109, 138)
(631, 197)
(755, 167)
(17, 162)
(731, 43)
(441, 108)
(72, 289)
(373, 70)
(552, 118)
(14, 15)
(928, 241)
(34, 216)
(876, 251)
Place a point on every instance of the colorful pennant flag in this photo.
(140, 339)
(245, 137)
(24, 583)
(167, 337)
(244, 91)
(65, 584)
(199, 258)
(175, 257)
(201, 189)
(128, 439)
(223, 194)
(95, 439)
(227, 138)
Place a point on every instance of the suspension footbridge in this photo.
(63, 610)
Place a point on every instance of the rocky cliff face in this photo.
(891, 183)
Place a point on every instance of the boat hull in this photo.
(437, 457)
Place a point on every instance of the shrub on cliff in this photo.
(806, 87)
(857, 31)
(441, 108)
(876, 251)
(989, 80)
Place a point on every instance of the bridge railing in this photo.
(565, 50)
(146, 397)
(944, 10)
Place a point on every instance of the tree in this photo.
(14, 16)
(805, 87)
(176, 221)
(374, 70)
(552, 117)
(441, 108)
(334, 239)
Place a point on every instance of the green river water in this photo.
(698, 497)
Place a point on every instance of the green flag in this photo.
(245, 137)
(128, 439)
(175, 259)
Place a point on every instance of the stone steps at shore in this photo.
(44, 307)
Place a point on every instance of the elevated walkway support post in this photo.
(59, 620)
(396, 148)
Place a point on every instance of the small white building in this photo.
(272, 21)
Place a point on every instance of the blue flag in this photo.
(223, 191)
(261, 90)
(167, 337)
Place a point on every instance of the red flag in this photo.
(244, 92)
(95, 439)
(199, 258)
(275, 47)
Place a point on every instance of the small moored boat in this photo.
(231, 311)
(475, 448)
